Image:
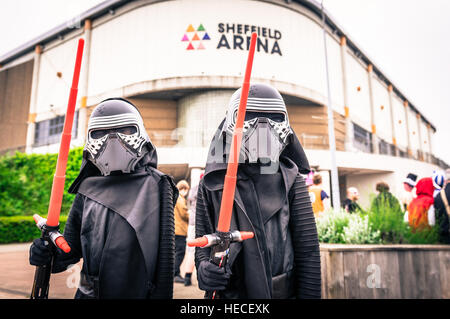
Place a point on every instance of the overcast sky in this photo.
(407, 39)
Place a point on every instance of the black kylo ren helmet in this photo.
(116, 138)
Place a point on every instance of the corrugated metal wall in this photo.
(15, 93)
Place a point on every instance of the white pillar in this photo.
(430, 147)
(419, 134)
(82, 113)
(33, 99)
(408, 137)
(391, 109)
(375, 147)
(348, 122)
(331, 136)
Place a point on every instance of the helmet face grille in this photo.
(134, 141)
(271, 103)
(266, 129)
(93, 146)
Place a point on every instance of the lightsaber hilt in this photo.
(219, 237)
(220, 244)
(52, 232)
(53, 238)
(42, 274)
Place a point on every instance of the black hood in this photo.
(293, 152)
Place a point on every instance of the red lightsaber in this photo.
(229, 186)
(50, 226)
(223, 237)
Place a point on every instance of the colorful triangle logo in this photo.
(195, 38)
(190, 46)
(199, 35)
(190, 28)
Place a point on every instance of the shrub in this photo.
(330, 226)
(26, 182)
(342, 227)
(19, 229)
(389, 222)
(359, 231)
(383, 224)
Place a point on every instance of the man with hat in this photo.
(408, 195)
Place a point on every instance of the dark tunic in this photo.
(123, 228)
(283, 259)
(351, 206)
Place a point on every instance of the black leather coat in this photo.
(123, 228)
(283, 259)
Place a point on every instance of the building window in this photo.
(362, 139)
(49, 131)
(386, 148)
(393, 150)
(383, 147)
(403, 153)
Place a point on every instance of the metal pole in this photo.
(331, 137)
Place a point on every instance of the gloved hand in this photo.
(210, 277)
(40, 253)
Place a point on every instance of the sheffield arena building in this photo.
(180, 61)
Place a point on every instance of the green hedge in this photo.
(26, 182)
(19, 229)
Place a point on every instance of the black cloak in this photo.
(123, 228)
(283, 259)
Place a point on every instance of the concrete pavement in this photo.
(16, 277)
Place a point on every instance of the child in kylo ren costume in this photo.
(271, 200)
(121, 222)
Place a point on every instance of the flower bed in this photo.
(381, 226)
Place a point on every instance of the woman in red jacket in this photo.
(421, 209)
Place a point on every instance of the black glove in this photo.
(40, 253)
(210, 277)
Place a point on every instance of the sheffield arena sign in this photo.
(237, 36)
(233, 36)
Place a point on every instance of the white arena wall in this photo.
(138, 50)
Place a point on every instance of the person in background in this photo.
(190, 257)
(319, 198)
(181, 227)
(442, 209)
(385, 200)
(407, 194)
(438, 181)
(420, 214)
(349, 204)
